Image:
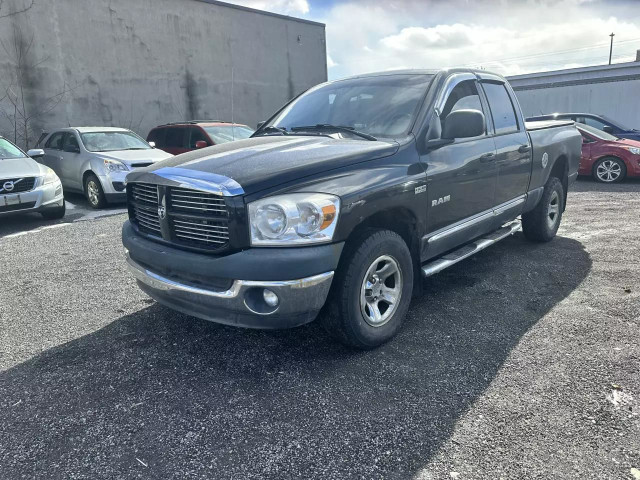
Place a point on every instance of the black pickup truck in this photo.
(344, 198)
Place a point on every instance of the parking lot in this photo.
(520, 362)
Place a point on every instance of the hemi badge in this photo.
(421, 189)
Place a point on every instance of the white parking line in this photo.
(36, 230)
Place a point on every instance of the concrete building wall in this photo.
(140, 63)
(611, 90)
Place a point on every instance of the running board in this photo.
(469, 249)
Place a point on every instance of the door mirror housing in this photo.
(152, 144)
(607, 129)
(201, 144)
(465, 123)
(36, 153)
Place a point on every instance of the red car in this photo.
(181, 137)
(609, 159)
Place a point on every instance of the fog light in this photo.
(270, 298)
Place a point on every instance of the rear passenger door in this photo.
(513, 148)
(70, 161)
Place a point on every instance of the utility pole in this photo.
(611, 47)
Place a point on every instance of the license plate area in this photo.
(11, 200)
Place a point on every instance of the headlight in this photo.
(298, 218)
(111, 166)
(49, 177)
(634, 150)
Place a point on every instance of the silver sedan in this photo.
(96, 160)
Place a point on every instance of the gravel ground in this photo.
(521, 362)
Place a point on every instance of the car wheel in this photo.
(372, 290)
(609, 170)
(542, 223)
(55, 213)
(94, 192)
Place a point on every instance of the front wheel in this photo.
(609, 170)
(541, 224)
(94, 192)
(371, 293)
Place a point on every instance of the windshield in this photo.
(109, 141)
(595, 132)
(228, 133)
(9, 150)
(381, 106)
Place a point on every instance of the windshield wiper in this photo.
(271, 128)
(339, 128)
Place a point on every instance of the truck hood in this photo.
(19, 167)
(264, 162)
(129, 157)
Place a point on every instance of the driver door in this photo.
(462, 176)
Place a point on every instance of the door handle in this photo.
(488, 157)
(524, 148)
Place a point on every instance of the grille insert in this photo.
(204, 232)
(193, 201)
(19, 185)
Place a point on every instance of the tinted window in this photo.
(174, 138)
(157, 136)
(55, 141)
(383, 105)
(592, 122)
(70, 143)
(229, 133)
(463, 96)
(504, 116)
(197, 135)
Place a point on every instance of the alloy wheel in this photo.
(93, 193)
(553, 211)
(609, 171)
(381, 291)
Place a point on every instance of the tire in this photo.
(542, 223)
(358, 314)
(609, 170)
(94, 192)
(55, 213)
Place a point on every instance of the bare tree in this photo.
(23, 9)
(22, 91)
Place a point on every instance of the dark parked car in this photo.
(600, 122)
(342, 197)
(183, 137)
(608, 158)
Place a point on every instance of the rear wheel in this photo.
(94, 192)
(609, 170)
(372, 290)
(542, 223)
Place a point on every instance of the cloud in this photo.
(286, 7)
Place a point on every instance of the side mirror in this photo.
(152, 144)
(607, 128)
(201, 144)
(260, 124)
(463, 124)
(36, 153)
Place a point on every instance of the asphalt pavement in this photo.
(520, 362)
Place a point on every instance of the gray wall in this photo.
(611, 90)
(140, 63)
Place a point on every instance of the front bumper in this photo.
(41, 198)
(229, 289)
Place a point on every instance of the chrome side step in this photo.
(469, 249)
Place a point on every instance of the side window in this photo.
(502, 111)
(70, 143)
(592, 122)
(196, 136)
(55, 141)
(463, 96)
(174, 137)
(157, 135)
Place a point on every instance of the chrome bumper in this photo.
(243, 304)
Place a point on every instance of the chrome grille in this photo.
(191, 201)
(19, 185)
(194, 218)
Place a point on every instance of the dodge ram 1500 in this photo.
(344, 198)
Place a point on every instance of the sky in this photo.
(509, 37)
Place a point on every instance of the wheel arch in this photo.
(602, 157)
(560, 170)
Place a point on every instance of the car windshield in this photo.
(110, 141)
(381, 106)
(616, 123)
(228, 133)
(594, 132)
(9, 150)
